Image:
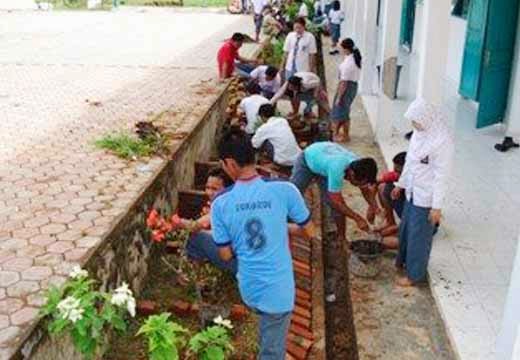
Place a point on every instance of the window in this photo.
(460, 8)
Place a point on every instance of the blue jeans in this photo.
(201, 247)
(415, 241)
(244, 69)
(273, 335)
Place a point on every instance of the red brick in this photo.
(298, 310)
(194, 309)
(300, 341)
(296, 351)
(146, 307)
(306, 323)
(181, 308)
(300, 331)
(306, 304)
(302, 272)
(303, 294)
(302, 265)
(238, 312)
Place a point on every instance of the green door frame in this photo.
(407, 22)
(488, 57)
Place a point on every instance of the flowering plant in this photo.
(168, 228)
(214, 342)
(78, 309)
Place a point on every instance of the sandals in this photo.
(507, 144)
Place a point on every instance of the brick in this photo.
(301, 265)
(194, 309)
(303, 272)
(298, 310)
(238, 312)
(300, 331)
(296, 351)
(181, 308)
(147, 307)
(301, 321)
(303, 294)
(306, 304)
(300, 341)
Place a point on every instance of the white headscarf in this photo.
(435, 134)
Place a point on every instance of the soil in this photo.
(164, 289)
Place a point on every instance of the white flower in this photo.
(123, 297)
(69, 309)
(78, 272)
(75, 315)
(223, 322)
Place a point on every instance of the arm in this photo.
(342, 87)
(222, 71)
(339, 204)
(282, 65)
(220, 232)
(441, 169)
(312, 63)
(279, 94)
(259, 137)
(225, 253)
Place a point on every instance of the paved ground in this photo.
(58, 194)
(472, 257)
(391, 323)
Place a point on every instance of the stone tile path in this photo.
(67, 79)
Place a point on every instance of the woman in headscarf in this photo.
(423, 179)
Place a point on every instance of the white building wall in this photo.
(512, 119)
(456, 43)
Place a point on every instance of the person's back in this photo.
(250, 106)
(255, 213)
(279, 133)
(309, 80)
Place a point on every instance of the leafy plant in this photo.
(126, 146)
(291, 11)
(164, 337)
(76, 308)
(212, 343)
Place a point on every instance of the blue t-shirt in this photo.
(329, 160)
(251, 217)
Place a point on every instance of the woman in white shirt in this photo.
(299, 50)
(335, 18)
(349, 74)
(424, 178)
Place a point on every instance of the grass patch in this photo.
(127, 146)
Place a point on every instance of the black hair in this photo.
(266, 111)
(300, 21)
(219, 173)
(348, 44)
(238, 37)
(336, 5)
(236, 145)
(319, 13)
(365, 170)
(295, 81)
(271, 71)
(400, 158)
(253, 88)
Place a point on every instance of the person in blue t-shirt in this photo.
(332, 164)
(249, 222)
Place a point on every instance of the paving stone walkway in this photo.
(67, 79)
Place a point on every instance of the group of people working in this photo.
(247, 229)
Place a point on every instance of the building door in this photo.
(488, 56)
(407, 23)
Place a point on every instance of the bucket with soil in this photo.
(365, 257)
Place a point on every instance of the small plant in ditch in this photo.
(214, 342)
(165, 338)
(86, 314)
(148, 140)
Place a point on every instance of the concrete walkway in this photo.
(67, 79)
(391, 323)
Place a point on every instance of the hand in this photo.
(435, 216)
(362, 224)
(396, 193)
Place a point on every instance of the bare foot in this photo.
(404, 281)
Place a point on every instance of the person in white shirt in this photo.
(275, 137)
(349, 74)
(258, 15)
(268, 78)
(424, 179)
(299, 50)
(249, 107)
(303, 11)
(336, 17)
(306, 87)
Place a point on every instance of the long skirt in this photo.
(341, 112)
(415, 241)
